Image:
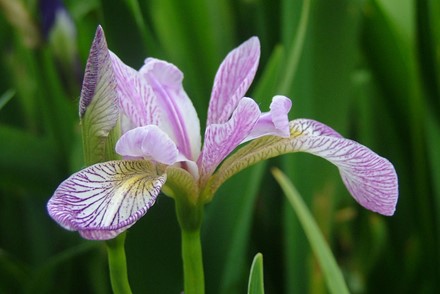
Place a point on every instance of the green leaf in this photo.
(264, 88)
(428, 32)
(236, 262)
(256, 281)
(27, 160)
(6, 97)
(332, 273)
(296, 49)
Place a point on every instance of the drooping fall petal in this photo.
(232, 80)
(102, 200)
(177, 115)
(148, 142)
(371, 179)
(222, 139)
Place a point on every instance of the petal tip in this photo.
(91, 76)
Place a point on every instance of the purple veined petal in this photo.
(310, 127)
(104, 199)
(178, 117)
(148, 142)
(98, 107)
(275, 122)
(137, 99)
(371, 179)
(99, 80)
(232, 80)
(222, 139)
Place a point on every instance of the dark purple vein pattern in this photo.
(106, 198)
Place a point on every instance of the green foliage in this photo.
(332, 274)
(369, 69)
(256, 281)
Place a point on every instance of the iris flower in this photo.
(158, 142)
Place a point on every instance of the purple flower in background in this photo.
(158, 137)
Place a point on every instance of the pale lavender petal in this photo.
(310, 127)
(106, 198)
(148, 142)
(177, 116)
(136, 98)
(275, 122)
(371, 179)
(222, 139)
(232, 80)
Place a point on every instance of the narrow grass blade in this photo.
(6, 97)
(332, 273)
(256, 281)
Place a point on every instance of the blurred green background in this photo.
(369, 69)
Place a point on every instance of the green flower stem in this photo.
(190, 218)
(118, 265)
(194, 280)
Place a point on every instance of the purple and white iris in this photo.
(160, 143)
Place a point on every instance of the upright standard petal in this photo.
(371, 179)
(137, 99)
(177, 116)
(148, 142)
(222, 139)
(98, 107)
(106, 198)
(232, 80)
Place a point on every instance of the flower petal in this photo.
(275, 122)
(232, 80)
(148, 142)
(371, 179)
(137, 99)
(106, 198)
(178, 118)
(222, 139)
(98, 107)
(310, 127)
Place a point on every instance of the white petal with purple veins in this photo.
(310, 127)
(371, 179)
(136, 98)
(232, 80)
(222, 139)
(148, 142)
(104, 199)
